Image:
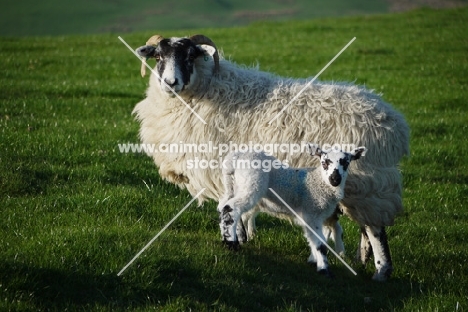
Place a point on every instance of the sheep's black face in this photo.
(175, 57)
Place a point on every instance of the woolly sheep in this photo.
(312, 193)
(238, 104)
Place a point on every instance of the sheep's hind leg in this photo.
(364, 251)
(382, 259)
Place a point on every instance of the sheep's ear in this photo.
(315, 150)
(358, 152)
(207, 49)
(146, 51)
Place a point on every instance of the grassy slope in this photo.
(59, 17)
(75, 210)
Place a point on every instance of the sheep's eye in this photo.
(157, 57)
(191, 57)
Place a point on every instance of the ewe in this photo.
(312, 193)
(237, 103)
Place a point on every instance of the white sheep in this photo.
(313, 193)
(237, 104)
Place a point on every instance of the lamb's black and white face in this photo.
(175, 62)
(335, 164)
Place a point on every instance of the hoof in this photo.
(232, 245)
(383, 275)
(326, 273)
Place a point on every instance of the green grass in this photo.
(74, 210)
(60, 17)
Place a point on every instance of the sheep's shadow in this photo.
(278, 282)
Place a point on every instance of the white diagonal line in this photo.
(160, 232)
(315, 233)
(165, 84)
(310, 82)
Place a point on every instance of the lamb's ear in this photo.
(315, 150)
(358, 152)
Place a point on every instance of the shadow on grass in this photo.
(246, 280)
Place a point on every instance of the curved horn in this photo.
(201, 39)
(153, 41)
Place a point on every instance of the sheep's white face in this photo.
(334, 164)
(175, 62)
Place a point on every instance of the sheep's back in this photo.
(324, 113)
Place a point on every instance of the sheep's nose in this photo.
(335, 178)
(171, 82)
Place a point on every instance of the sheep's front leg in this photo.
(228, 219)
(382, 259)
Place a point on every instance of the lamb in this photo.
(237, 104)
(313, 193)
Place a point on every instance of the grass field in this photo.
(74, 210)
(64, 17)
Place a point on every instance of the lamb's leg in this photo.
(241, 231)
(382, 259)
(228, 187)
(333, 230)
(318, 249)
(246, 231)
(337, 236)
(228, 218)
(230, 214)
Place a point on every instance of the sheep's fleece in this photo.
(237, 105)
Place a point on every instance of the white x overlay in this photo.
(160, 232)
(162, 81)
(204, 122)
(310, 82)
(313, 232)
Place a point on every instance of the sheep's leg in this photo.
(364, 251)
(382, 259)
